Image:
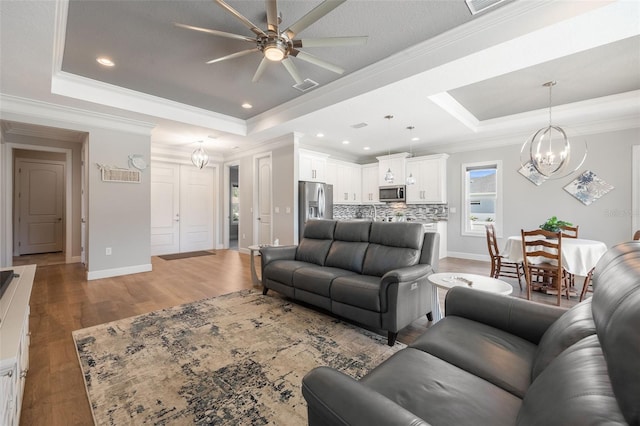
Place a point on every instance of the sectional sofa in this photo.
(498, 360)
(373, 273)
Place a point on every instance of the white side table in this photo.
(255, 250)
(449, 280)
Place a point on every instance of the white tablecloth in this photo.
(579, 256)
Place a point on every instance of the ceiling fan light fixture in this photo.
(275, 51)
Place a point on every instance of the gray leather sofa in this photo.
(373, 273)
(498, 360)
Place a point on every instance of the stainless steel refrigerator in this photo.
(315, 202)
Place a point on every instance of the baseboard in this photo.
(107, 273)
(469, 256)
(74, 259)
(244, 250)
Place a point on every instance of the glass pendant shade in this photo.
(410, 179)
(200, 158)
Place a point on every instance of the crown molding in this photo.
(54, 115)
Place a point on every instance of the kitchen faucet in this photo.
(375, 212)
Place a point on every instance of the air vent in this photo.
(359, 125)
(120, 175)
(306, 85)
(477, 6)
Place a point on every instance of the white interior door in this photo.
(264, 199)
(196, 208)
(41, 207)
(165, 208)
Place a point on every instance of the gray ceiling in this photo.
(605, 70)
(155, 57)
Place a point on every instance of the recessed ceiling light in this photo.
(247, 105)
(320, 135)
(345, 142)
(415, 139)
(366, 148)
(103, 60)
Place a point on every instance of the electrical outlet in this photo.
(288, 210)
(244, 236)
(107, 251)
(276, 209)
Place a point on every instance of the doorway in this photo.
(39, 205)
(234, 207)
(263, 201)
(181, 208)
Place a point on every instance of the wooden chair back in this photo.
(569, 231)
(636, 236)
(492, 242)
(546, 245)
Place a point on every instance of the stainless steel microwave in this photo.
(393, 193)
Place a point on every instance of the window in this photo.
(482, 197)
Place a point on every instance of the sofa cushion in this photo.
(441, 393)
(362, 291)
(313, 251)
(282, 270)
(487, 352)
(349, 246)
(574, 389)
(392, 246)
(319, 229)
(317, 279)
(574, 325)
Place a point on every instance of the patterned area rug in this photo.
(234, 359)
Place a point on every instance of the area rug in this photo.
(234, 359)
(186, 255)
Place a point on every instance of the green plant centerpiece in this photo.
(553, 224)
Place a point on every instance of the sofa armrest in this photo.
(523, 318)
(334, 398)
(271, 253)
(401, 275)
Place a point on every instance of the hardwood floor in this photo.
(62, 301)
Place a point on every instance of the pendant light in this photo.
(549, 150)
(200, 158)
(388, 176)
(410, 179)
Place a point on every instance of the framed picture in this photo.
(529, 171)
(588, 187)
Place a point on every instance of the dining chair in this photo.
(502, 266)
(569, 231)
(546, 246)
(636, 236)
(587, 285)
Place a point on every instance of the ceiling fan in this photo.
(280, 46)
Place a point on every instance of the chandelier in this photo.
(199, 157)
(549, 150)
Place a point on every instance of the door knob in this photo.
(59, 219)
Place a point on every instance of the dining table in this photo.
(579, 255)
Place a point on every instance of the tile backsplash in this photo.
(393, 210)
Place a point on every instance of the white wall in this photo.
(118, 214)
(526, 205)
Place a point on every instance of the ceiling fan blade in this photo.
(239, 16)
(291, 67)
(260, 70)
(317, 61)
(234, 55)
(311, 17)
(330, 41)
(216, 32)
(272, 15)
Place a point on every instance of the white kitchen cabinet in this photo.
(312, 166)
(346, 180)
(430, 173)
(441, 228)
(370, 184)
(14, 350)
(395, 162)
